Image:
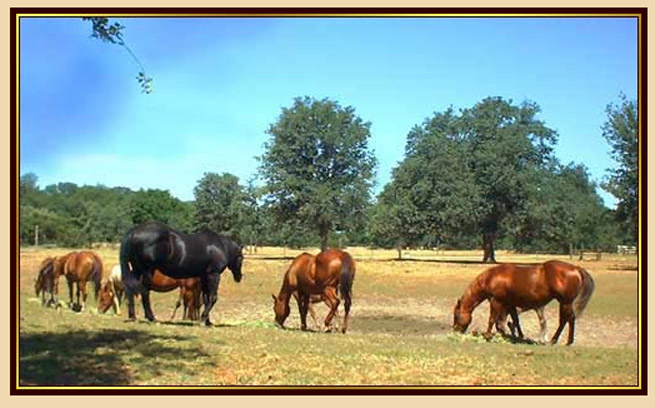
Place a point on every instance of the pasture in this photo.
(400, 331)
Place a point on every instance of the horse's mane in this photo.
(473, 289)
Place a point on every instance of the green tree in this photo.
(621, 130)
(431, 199)
(151, 205)
(220, 204)
(468, 173)
(183, 216)
(562, 210)
(318, 168)
(506, 143)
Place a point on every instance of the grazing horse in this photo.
(326, 274)
(45, 281)
(111, 293)
(528, 287)
(80, 268)
(153, 245)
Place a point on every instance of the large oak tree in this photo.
(318, 167)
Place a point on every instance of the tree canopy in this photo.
(621, 130)
(487, 170)
(317, 166)
(484, 175)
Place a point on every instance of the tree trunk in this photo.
(488, 240)
(400, 252)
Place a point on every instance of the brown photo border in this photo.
(358, 12)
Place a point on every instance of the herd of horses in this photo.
(154, 257)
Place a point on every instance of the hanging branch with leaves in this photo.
(113, 33)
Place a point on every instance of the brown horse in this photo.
(317, 275)
(79, 268)
(313, 299)
(498, 315)
(509, 286)
(45, 281)
(112, 292)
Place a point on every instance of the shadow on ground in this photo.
(96, 357)
(389, 323)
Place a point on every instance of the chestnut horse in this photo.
(111, 293)
(45, 281)
(312, 300)
(78, 268)
(498, 314)
(328, 274)
(509, 286)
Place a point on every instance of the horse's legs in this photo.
(145, 301)
(82, 288)
(493, 306)
(77, 294)
(195, 314)
(497, 317)
(209, 284)
(515, 322)
(565, 316)
(178, 304)
(571, 321)
(542, 324)
(54, 291)
(331, 298)
(303, 302)
(312, 314)
(70, 292)
(131, 314)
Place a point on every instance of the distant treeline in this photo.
(481, 177)
(74, 216)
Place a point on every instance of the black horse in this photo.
(154, 245)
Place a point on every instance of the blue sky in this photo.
(219, 83)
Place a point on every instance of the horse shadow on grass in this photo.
(101, 357)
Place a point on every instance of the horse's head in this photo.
(107, 297)
(236, 260)
(281, 309)
(461, 318)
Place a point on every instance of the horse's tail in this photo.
(124, 257)
(96, 275)
(347, 276)
(131, 285)
(588, 286)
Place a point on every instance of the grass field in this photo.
(400, 331)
